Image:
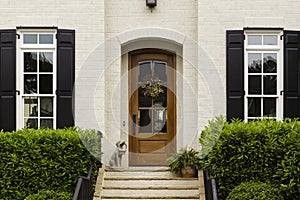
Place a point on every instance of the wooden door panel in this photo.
(147, 146)
(144, 160)
(153, 119)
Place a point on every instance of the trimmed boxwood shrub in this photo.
(32, 160)
(266, 151)
(254, 191)
(49, 195)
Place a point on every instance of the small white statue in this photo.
(116, 158)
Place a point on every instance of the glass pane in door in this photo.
(161, 100)
(160, 121)
(160, 71)
(145, 72)
(145, 121)
(144, 101)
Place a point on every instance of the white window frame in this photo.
(21, 48)
(278, 49)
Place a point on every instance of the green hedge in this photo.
(49, 195)
(266, 151)
(254, 191)
(32, 160)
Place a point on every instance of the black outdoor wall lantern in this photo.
(151, 3)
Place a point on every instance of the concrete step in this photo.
(147, 199)
(137, 169)
(150, 194)
(150, 183)
(139, 174)
(146, 178)
(146, 183)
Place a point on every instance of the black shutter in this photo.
(8, 80)
(235, 74)
(291, 74)
(65, 77)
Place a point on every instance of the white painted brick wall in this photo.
(215, 17)
(85, 16)
(121, 16)
(201, 25)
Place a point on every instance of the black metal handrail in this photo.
(210, 186)
(84, 188)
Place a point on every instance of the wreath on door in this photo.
(152, 88)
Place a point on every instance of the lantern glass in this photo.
(151, 3)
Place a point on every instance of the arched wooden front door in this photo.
(152, 119)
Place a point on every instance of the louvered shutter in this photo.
(65, 77)
(235, 74)
(8, 80)
(291, 74)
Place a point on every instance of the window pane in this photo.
(46, 106)
(145, 72)
(46, 84)
(159, 121)
(254, 39)
(160, 71)
(254, 63)
(254, 86)
(254, 107)
(161, 100)
(30, 107)
(270, 40)
(46, 123)
(31, 123)
(30, 62)
(145, 121)
(30, 84)
(270, 62)
(46, 39)
(30, 38)
(144, 101)
(46, 61)
(269, 107)
(270, 84)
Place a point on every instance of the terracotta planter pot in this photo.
(188, 172)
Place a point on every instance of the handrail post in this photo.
(210, 186)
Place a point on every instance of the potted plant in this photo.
(185, 162)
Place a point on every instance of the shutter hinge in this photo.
(56, 36)
(18, 35)
(244, 93)
(281, 92)
(244, 37)
(282, 37)
(18, 92)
